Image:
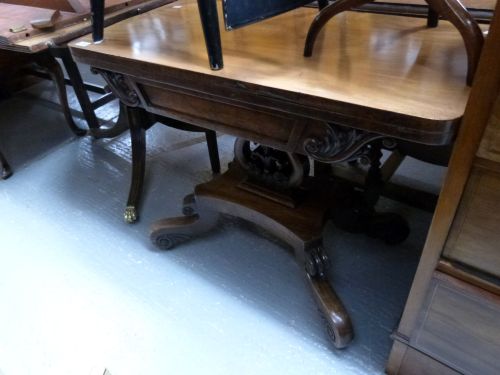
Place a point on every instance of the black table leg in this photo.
(210, 23)
(97, 14)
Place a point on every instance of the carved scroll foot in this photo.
(5, 171)
(170, 232)
(338, 322)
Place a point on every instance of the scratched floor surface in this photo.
(81, 291)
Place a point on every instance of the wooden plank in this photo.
(405, 360)
(475, 236)
(69, 25)
(459, 325)
(484, 93)
(490, 145)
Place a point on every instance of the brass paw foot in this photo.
(130, 215)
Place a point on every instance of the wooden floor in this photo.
(82, 291)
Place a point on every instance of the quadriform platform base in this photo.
(300, 227)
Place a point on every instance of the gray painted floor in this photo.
(81, 291)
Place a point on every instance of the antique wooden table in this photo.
(40, 29)
(376, 78)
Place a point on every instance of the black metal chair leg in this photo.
(5, 171)
(210, 24)
(138, 120)
(432, 18)
(213, 151)
(97, 14)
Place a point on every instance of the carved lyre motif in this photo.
(339, 144)
(121, 86)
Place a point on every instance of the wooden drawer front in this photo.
(475, 234)
(490, 145)
(271, 129)
(459, 325)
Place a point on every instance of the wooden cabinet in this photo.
(451, 322)
(459, 326)
(475, 234)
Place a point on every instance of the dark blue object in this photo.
(238, 13)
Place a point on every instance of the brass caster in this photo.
(130, 215)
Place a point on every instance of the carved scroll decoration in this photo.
(339, 144)
(121, 86)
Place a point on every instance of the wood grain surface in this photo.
(69, 25)
(490, 144)
(475, 237)
(384, 62)
(458, 325)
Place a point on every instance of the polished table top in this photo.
(387, 63)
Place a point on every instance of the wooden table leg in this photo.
(139, 120)
(78, 85)
(54, 70)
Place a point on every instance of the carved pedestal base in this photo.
(300, 227)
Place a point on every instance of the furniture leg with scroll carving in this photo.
(5, 171)
(452, 10)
